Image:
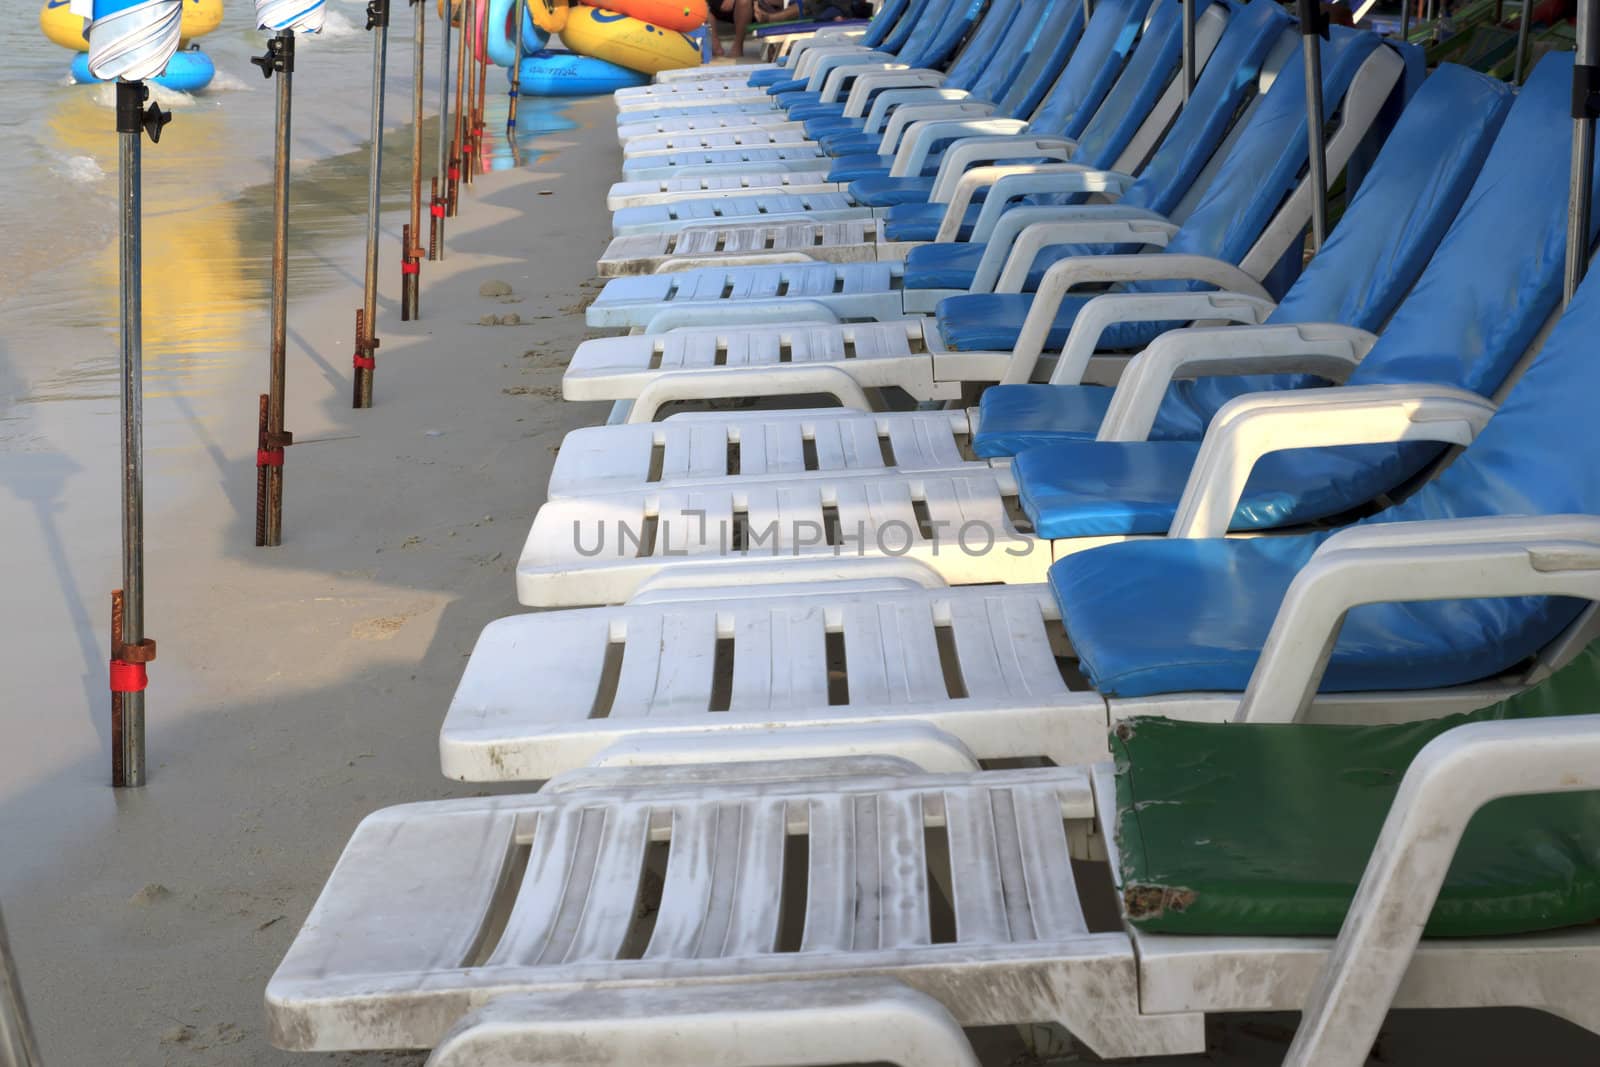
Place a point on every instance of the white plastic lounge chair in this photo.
(1384, 239)
(1164, 625)
(1254, 237)
(799, 913)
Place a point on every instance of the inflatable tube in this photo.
(550, 15)
(680, 15)
(503, 32)
(200, 17)
(187, 71)
(550, 73)
(62, 27)
(627, 42)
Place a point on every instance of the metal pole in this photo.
(516, 72)
(480, 32)
(130, 649)
(1585, 87)
(1522, 41)
(367, 331)
(272, 438)
(1188, 49)
(457, 141)
(1405, 19)
(411, 254)
(1313, 26)
(470, 78)
(17, 1048)
(441, 178)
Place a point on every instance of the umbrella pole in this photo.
(1522, 41)
(271, 437)
(17, 1048)
(1405, 19)
(130, 649)
(483, 77)
(1314, 25)
(365, 359)
(411, 251)
(516, 74)
(1585, 105)
(1188, 49)
(441, 177)
(458, 142)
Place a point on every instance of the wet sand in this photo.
(300, 688)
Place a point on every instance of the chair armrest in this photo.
(1454, 776)
(833, 85)
(806, 59)
(1009, 252)
(887, 100)
(1250, 427)
(868, 83)
(969, 150)
(894, 130)
(1059, 178)
(1103, 312)
(719, 383)
(852, 62)
(1006, 263)
(1062, 277)
(1007, 181)
(918, 142)
(1326, 349)
(1442, 559)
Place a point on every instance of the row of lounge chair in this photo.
(1131, 534)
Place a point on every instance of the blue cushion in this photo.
(1027, 416)
(990, 322)
(767, 78)
(851, 143)
(880, 190)
(853, 167)
(1168, 616)
(822, 118)
(920, 222)
(1084, 488)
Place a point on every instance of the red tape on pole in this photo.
(128, 677)
(410, 266)
(269, 457)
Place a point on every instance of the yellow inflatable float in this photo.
(63, 28)
(617, 38)
(681, 15)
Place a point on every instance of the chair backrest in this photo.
(1414, 192)
(1394, 226)
(1265, 164)
(914, 31)
(947, 34)
(886, 21)
(1107, 41)
(1225, 85)
(986, 50)
(1057, 35)
(1150, 69)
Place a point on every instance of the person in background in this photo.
(738, 12)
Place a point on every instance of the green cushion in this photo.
(1228, 828)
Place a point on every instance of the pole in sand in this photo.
(17, 1048)
(1522, 41)
(1188, 48)
(516, 75)
(1585, 106)
(480, 38)
(441, 170)
(365, 358)
(284, 18)
(129, 42)
(459, 125)
(1313, 29)
(471, 123)
(411, 250)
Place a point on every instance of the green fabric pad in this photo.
(1232, 828)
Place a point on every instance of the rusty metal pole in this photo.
(457, 142)
(272, 438)
(411, 253)
(480, 36)
(130, 649)
(469, 32)
(441, 172)
(17, 1047)
(365, 358)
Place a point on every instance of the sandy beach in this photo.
(300, 688)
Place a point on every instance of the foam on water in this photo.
(79, 170)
